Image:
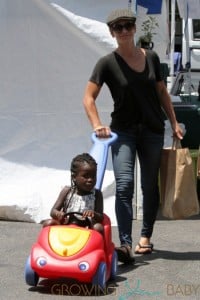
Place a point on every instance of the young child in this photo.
(81, 197)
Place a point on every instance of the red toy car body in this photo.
(70, 251)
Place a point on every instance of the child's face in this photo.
(85, 178)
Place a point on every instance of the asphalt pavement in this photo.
(170, 272)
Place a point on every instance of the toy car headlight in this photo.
(41, 261)
(83, 266)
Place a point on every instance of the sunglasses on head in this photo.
(119, 27)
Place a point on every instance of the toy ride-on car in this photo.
(70, 251)
(74, 252)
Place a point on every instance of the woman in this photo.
(139, 94)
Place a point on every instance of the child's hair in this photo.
(80, 159)
(75, 165)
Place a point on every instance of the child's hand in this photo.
(66, 220)
(88, 213)
(60, 215)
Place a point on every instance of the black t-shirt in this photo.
(134, 93)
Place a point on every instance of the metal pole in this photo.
(132, 5)
(173, 3)
(188, 50)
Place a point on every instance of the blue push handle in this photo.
(99, 152)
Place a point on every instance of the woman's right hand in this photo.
(102, 131)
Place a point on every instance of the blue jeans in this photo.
(148, 146)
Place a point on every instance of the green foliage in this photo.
(148, 28)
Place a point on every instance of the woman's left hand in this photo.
(177, 131)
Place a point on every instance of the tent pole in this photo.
(173, 4)
(132, 5)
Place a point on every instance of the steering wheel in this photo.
(78, 219)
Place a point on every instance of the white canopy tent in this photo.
(188, 9)
(159, 10)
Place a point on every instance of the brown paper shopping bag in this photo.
(177, 184)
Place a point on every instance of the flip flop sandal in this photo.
(125, 254)
(149, 249)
